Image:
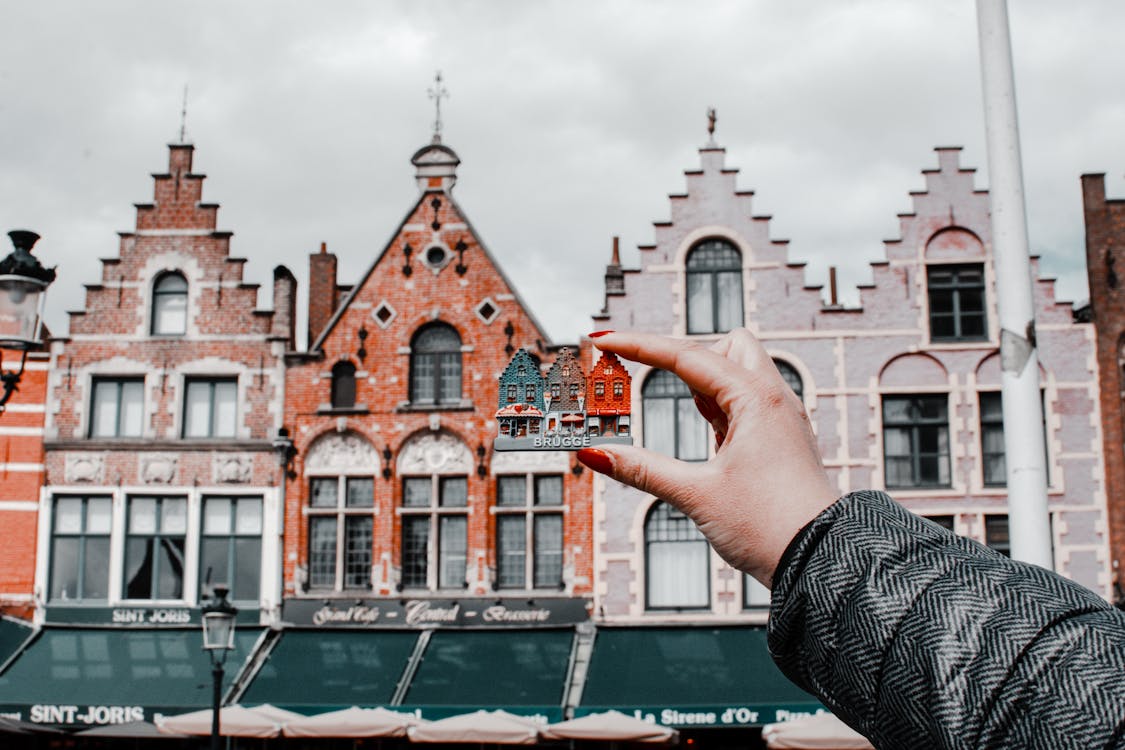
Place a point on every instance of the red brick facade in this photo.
(21, 477)
(1105, 267)
(170, 315)
(412, 417)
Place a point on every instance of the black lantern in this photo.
(23, 281)
(218, 639)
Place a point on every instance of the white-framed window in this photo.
(155, 544)
(957, 302)
(714, 287)
(672, 424)
(677, 561)
(230, 547)
(529, 531)
(117, 407)
(341, 532)
(169, 305)
(791, 377)
(435, 524)
(435, 365)
(916, 441)
(80, 548)
(210, 407)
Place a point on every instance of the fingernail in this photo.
(597, 460)
(707, 407)
(595, 334)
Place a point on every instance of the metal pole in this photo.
(1024, 449)
(216, 699)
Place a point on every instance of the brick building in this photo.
(1105, 249)
(902, 392)
(21, 477)
(160, 476)
(408, 542)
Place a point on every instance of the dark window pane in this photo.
(357, 562)
(95, 580)
(416, 492)
(64, 568)
(214, 564)
(454, 492)
(246, 585)
(139, 564)
(361, 492)
(549, 490)
(322, 552)
(548, 550)
(946, 522)
(170, 584)
(511, 491)
(343, 385)
(996, 534)
(324, 492)
(415, 550)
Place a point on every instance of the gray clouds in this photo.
(573, 122)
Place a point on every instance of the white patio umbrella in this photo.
(610, 726)
(352, 722)
(820, 732)
(234, 721)
(499, 727)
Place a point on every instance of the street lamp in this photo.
(218, 639)
(23, 280)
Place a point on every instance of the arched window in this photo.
(672, 424)
(677, 569)
(714, 287)
(791, 377)
(343, 385)
(169, 305)
(435, 365)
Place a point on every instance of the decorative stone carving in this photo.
(232, 468)
(529, 462)
(85, 467)
(158, 468)
(341, 453)
(439, 453)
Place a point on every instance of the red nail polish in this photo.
(595, 334)
(597, 460)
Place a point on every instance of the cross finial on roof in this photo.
(437, 93)
(712, 116)
(183, 118)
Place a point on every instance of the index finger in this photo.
(700, 367)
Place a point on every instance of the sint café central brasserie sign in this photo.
(430, 613)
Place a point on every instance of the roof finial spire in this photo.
(712, 116)
(183, 118)
(437, 93)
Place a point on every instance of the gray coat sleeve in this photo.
(919, 638)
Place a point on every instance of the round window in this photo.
(435, 256)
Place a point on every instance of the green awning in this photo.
(521, 671)
(90, 676)
(13, 633)
(690, 676)
(324, 670)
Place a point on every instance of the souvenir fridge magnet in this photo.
(564, 410)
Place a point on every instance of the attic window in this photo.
(487, 310)
(436, 257)
(384, 314)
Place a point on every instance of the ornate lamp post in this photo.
(218, 639)
(23, 281)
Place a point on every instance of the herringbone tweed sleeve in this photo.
(919, 638)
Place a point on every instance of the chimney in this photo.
(614, 276)
(284, 307)
(323, 293)
(832, 299)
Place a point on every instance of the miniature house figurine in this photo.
(564, 409)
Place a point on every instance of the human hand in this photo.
(765, 481)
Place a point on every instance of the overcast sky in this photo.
(573, 120)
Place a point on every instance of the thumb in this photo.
(654, 473)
